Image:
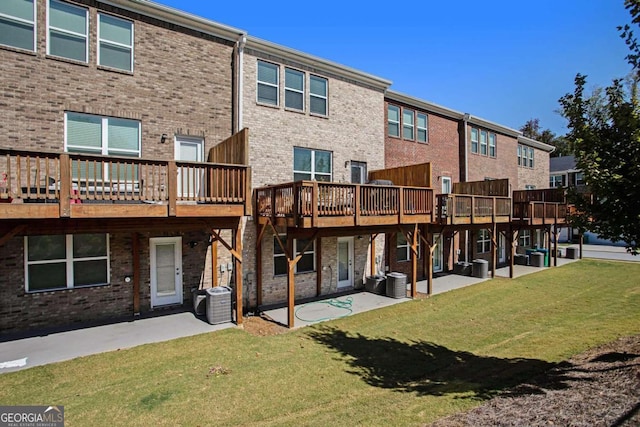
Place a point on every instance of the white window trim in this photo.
(310, 251)
(410, 126)
(69, 260)
(313, 172)
(113, 43)
(483, 239)
(425, 128)
(447, 178)
(396, 122)
(33, 22)
(407, 247)
(315, 95)
(484, 145)
(64, 31)
(476, 140)
(531, 161)
(524, 239)
(105, 134)
(492, 144)
(286, 88)
(260, 82)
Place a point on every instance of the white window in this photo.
(530, 157)
(115, 42)
(423, 135)
(474, 140)
(483, 244)
(556, 181)
(529, 187)
(579, 178)
(403, 248)
(358, 172)
(293, 89)
(483, 142)
(519, 155)
(318, 95)
(66, 261)
(446, 185)
(393, 120)
(492, 144)
(89, 134)
(311, 165)
(67, 31)
(524, 239)
(307, 262)
(407, 124)
(268, 78)
(18, 24)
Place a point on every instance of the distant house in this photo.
(563, 172)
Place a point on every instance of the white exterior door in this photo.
(189, 149)
(502, 248)
(437, 253)
(345, 262)
(166, 270)
(446, 185)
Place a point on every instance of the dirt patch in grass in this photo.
(262, 326)
(600, 387)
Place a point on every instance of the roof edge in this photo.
(426, 105)
(536, 144)
(316, 62)
(175, 16)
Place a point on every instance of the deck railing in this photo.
(328, 199)
(544, 204)
(48, 177)
(463, 207)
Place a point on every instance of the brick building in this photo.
(128, 80)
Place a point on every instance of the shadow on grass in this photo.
(427, 368)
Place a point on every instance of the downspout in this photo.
(465, 120)
(242, 41)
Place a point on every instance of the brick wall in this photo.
(353, 130)
(441, 150)
(181, 84)
(504, 165)
(21, 310)
(537, 176)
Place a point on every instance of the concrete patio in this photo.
(22, 353)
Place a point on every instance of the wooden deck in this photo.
(40, 185)
(540, 207)
(466, 209)
(311, 204)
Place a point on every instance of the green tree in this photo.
(532, 129)
(604, 129)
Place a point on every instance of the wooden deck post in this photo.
(373, 254)
(318, 267)
(65, 185)
(172, 184)
(237, 246)
(414, 262)
(555, 244)
(494, 248)
(513, 238)
(291, 265)
(135, 248)
(261, 230)
(214, 261)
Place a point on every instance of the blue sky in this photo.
(503, 60)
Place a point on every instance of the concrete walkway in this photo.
(56, 347)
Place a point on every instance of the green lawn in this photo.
(406, 364)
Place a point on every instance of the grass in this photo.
(407, 364)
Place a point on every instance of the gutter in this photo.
(242, 41)
(175, 16)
